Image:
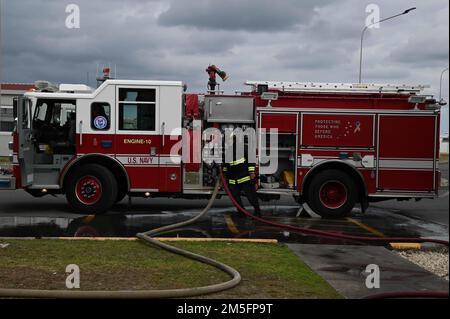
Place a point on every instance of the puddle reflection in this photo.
(219, 223)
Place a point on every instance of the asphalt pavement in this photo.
(22, 215)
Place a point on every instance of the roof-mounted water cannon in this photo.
(212, 71)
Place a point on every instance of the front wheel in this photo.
(332, 194)
(91, 189)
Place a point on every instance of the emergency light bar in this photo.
(269, 96)
(417, 99)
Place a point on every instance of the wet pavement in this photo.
(219, 223)
(24, 216)
(345, 268)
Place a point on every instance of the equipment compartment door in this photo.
(26, 150)
(407, 150)
(277, 150)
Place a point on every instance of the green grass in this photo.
(444, 158)
(268, 271)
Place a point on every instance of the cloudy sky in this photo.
(299, 40)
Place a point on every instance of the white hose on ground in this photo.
(146, 294)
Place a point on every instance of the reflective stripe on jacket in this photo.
(237, 172)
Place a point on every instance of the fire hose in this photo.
(236, 277)
(319, 233)
(147, 237)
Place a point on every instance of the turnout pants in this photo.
(249, 190)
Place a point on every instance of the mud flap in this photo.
(364, 204)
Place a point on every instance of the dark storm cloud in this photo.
(313, 57)
(210, 42)
(252, 15)
(420, 51)
(35, 32)
(270, 40)
(36, 43)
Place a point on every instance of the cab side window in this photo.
(137, 109)
(100, 116)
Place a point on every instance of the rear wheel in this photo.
(332, 193)
(91, 189)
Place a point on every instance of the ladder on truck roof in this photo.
(338, 87)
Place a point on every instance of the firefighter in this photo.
(241, 178)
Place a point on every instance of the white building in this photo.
(7, 93)
(444, 143)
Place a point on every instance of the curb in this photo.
(164, 239)
(430, 246)
(415, 246)
(405, 246)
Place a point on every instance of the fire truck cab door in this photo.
(24, 130)
(138, 136)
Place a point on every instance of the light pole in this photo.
(440, 84)
(364, 31)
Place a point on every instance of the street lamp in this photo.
(440, 84)
(364, 31)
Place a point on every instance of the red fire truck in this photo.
(337, 144)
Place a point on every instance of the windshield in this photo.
(54, 112)
(41, 112)
(54, 122)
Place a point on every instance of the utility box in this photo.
(229, 109)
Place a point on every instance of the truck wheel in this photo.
(91, 189)
(332, 193)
